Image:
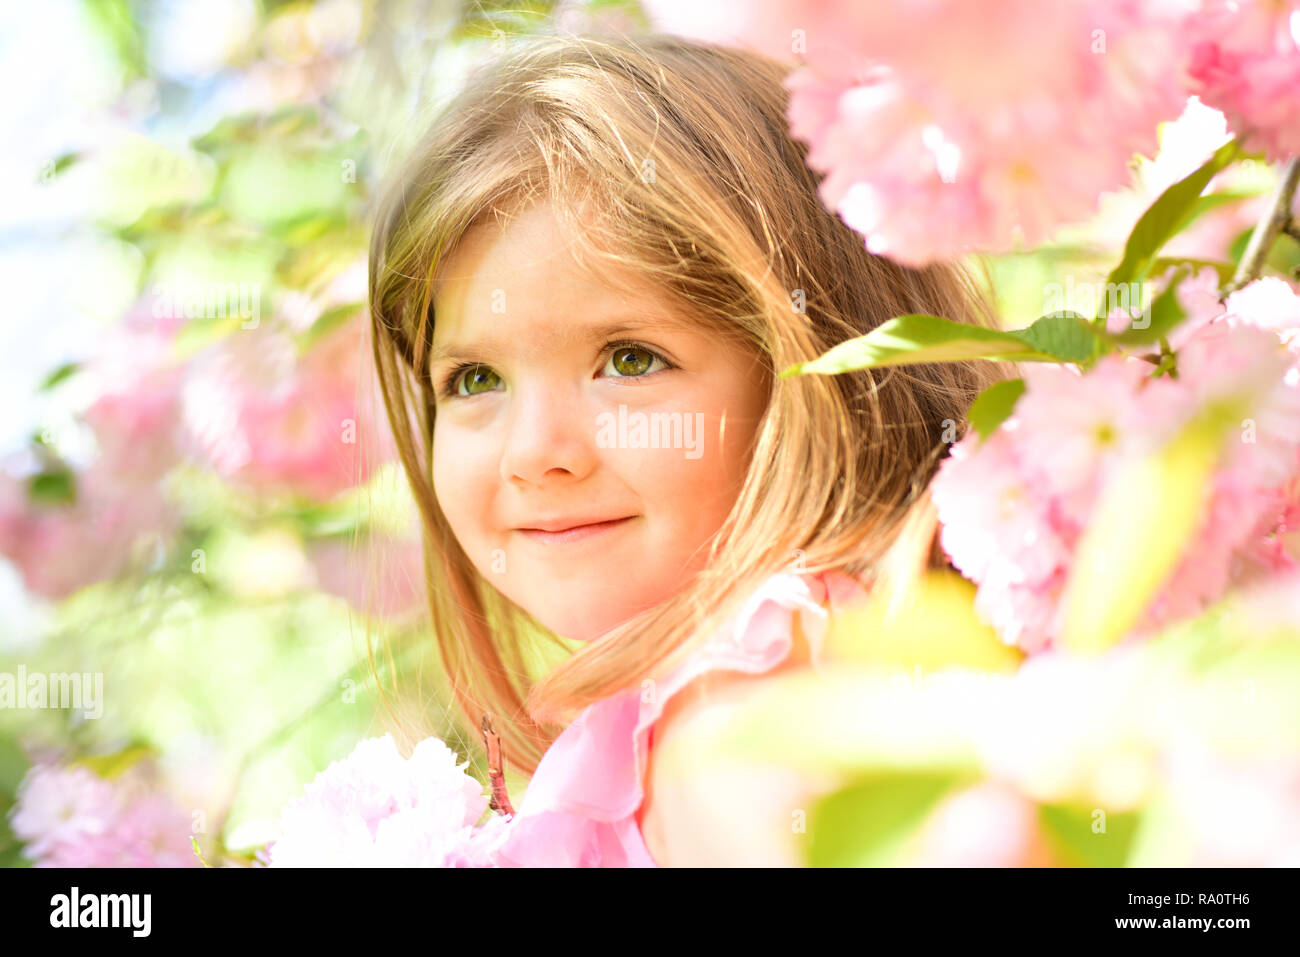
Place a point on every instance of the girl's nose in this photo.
(547, 438)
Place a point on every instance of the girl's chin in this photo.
(571, 609)
(584, 630)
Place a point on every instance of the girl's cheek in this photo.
(451, 469)
(463, 461)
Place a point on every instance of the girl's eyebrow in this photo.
(484, 348)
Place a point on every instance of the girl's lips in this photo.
(574, 534)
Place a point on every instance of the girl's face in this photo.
(564, 403)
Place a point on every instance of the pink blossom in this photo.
(375, 808)
(148, 830)
(1272, 601)
(997, 530)
(57, 806)
(278, 422)
(950, 112)
(479, 847)
(1268, 303)
(1252, 501)
(767, 28)
(71, 817)
(973, 123)
(1026, 616)
(136, 415)
(1078, 427)
(1247, 506)
(1244, 59)
(1014, 508)
(1001, 493)
(1226, 359)
(153, 831)
(135, 432)
(1272, 549)
(61, 547)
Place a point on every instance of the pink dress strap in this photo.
(580, 806)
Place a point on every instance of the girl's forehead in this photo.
(466, 322)
(539, 251)
(503, 246)
(541, 227)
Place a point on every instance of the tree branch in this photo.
(1277, 220)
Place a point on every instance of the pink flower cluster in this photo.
(278, 422)
(249, 408)
(376, 809)
(61, 546)
(1245, 61)
(944, 127)
(1015, 506)
(966, 115)
(71, 817)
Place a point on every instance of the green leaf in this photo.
(1173, 210)
(11, 849)
(272, 187)
(13, 766)
(872, 822)
(1164, 836)
(1224, 269)
(992, 406)
(194, 841)
(52, 168)
(327, 322)
(1210, 201)
(63, 372)
(1077, 837)
(54, 488)
(1166, 314)
(919, 338)
(116, 21)
(1062, 335)
(109, 766)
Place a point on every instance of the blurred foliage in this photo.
(1072, 739)
(222, 659)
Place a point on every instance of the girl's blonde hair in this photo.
(673, 158)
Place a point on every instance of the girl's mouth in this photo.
(575, 534)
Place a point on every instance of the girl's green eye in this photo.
(632, 360)
(626, 360)
(476, 376)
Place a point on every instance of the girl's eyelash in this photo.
(447, 384)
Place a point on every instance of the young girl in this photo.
(582, 287)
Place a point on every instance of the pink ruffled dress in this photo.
(580, 806)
